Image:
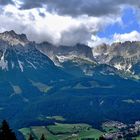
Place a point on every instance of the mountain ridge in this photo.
(122, 56)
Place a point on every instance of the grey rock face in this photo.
(122, 56)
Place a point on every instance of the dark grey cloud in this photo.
(42, 14)
(75, 35)
(29, 4)
(5, 2)
(80, 7)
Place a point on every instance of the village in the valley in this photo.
(117, 130)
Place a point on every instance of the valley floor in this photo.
(62, 132)
(110, 130)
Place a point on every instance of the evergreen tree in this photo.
(31, 137)
(102, 138)
(6, 133)
(42, 137)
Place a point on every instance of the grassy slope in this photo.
(62, 132)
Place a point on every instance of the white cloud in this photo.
(132, 36)
(96, 41)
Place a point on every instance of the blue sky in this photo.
(129, 23)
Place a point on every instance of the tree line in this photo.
(42, 137)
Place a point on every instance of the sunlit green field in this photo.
(62, 132)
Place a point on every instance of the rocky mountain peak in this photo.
(121, 55)
(13, 38)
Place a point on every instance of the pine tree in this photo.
(42, 137)
(102, 138)
(6, 133)
(31, 137)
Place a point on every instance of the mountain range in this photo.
(123, 57)
(77, 82)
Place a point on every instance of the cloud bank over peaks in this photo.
(132, 36)
(63, 22)
(54, 28)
